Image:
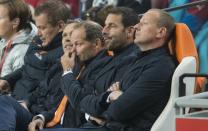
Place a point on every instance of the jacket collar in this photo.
(125, 50)
(56, 42)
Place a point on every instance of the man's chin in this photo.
(109, 44)
(108, 41)
(110, 47)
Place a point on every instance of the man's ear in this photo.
(130, 32)
(15, 23)
(61, 25)
(162, 32)
(98, 43)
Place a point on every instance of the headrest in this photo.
(182, 43)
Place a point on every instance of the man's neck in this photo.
(145, 47)
(121, 49)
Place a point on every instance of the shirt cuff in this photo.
(87, 116)
(40, 116)
(67, 72)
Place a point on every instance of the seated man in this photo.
(43, 102)
(135, 103)
(42, 52)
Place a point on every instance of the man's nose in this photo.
(137, 26)
(74, 48)
(105, 30)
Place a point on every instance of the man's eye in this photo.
(77, 44)
(112, 26)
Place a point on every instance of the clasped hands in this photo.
(115, 93)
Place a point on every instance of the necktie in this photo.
(61, 109)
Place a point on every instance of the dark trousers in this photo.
(13, 117)
(77, 129)
(86, 127)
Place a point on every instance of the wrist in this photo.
(69, 70)
(40, 117)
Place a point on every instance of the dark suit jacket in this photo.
(73, 116)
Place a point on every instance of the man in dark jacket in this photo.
(50, 18)
(135, 103)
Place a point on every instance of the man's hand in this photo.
(4, 86)
(114, 87)
(36, 125)
(99, 121)
(114, 95)
(68, 60)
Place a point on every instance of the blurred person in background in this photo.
(17, 32)
(98, 14)
(139, 6)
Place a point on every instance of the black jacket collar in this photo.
(125, 50)
(54, 43)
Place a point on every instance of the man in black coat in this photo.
(136, 102)
(44, 50)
